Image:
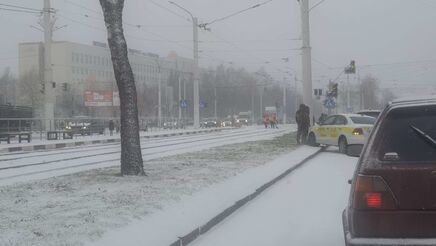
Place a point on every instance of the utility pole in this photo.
(348, 94)
(180, 97)
(252, 105)
(215, 114)
(159, 96)
(48, 72)
(261, 101)
(184, 98)
(306, 56)
(196, 70)
(296, 93)
(196, 76)
(284, 101)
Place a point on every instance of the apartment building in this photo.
(79, 68)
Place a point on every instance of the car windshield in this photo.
(363, 120)
(411, 126)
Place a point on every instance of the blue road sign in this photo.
(203, 104)
(329, 103)
(183, 103)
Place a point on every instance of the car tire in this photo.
(311, 140)
(343, 145)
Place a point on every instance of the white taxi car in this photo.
(341, 130)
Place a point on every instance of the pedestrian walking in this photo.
(275, 122)
(302, 117)
(266, 121)
(111, 127)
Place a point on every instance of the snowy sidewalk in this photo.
(166, 226)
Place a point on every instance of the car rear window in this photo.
(399, 135)
(363, 120)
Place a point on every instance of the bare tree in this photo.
(131, 157)
(370, 92)
(30, 90)
(387, 96)
(7, 87)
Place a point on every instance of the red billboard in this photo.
(98, 98)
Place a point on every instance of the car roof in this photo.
(352, 115)
(369, 111)
(416, 100)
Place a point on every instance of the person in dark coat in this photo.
(111, 127)
(302, 117)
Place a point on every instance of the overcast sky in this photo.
(394, 39)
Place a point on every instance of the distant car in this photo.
(226, 123)
(370, 112)
(169, 125)
(87, 127)
(210, 122)
(392, 199)
(173, 125)
(341, 130)
(241, 122)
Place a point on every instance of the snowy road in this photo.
(302, 209)
(44, 164)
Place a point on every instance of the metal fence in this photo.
(83, 125)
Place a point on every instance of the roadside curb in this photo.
(194, 234)
(103, 141)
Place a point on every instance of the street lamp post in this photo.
(306, 56)
(196, 70)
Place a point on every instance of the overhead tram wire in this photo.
(204, 25)
(82, 7)
(246, 52)
(139, 27)
(170, 11)
(20, 7)
(21, 11)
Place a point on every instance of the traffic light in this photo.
(353, 67)
(64, 86)
(334, 92)
(42, 90)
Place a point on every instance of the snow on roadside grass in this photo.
(73, 209)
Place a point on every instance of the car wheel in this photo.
(311, 140)
(343, 145)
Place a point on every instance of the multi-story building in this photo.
(79, 68)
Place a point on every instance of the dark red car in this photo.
(393, 193)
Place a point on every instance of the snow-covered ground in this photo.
(303, 209)
(165, 226)
(39, 165)
(81, 207)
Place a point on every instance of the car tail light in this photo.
(372, 192)
(373, 200)
(358, 131)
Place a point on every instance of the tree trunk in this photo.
(131, 157)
